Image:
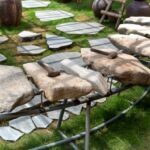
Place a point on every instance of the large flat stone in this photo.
(76, 110)
(95, 78)
(2, 58)
(59, 87)
(80, 27)
(15, 89)
(50, 15)
(126, 68)
(3, 39)
(132, 44)
(55, 42)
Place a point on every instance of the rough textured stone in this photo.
(25, 36)
(56, 42)
(132, 44)
(15, 89)
(49, 15)
(3, 39)
(60, 87)
(2, 58)
(96, 79)
(125, 68)
(80, 27)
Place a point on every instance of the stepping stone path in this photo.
(56, 42)
(55, 59)
(2, 58)
(34, 3)
(10, 134)
(26, 36)
(103, 46)
(24, 124)
(30, 50)
(49, 15)
(3, 39)
(76, 110)
(80, 27)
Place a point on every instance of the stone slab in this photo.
(30, 50)
(41, 121)
(102, 45)
(50, 15)
(34, 3)
(55, 42)
(80, 27)
(23, 124)
(10, 134)
(76, 110)
(15, 89)
(3, 39)
(2, 58)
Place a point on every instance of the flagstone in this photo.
(2, 58)
(3, 39)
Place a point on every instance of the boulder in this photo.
(59, 87)
(15, 89)
(124, 67)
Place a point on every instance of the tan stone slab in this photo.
(60, 87)
(125, 68)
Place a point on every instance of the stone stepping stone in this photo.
(35, 3)
(41, 121)
(55, 59)
(30, 50)
(55, 115)
(80, 27)
(75, 109)
(10, 134)
(56, 42)
(2, 58)
(138, 20)
(102, 45)
(24, 124)
(102, 100)
(50, 15)
(92, 104)
(3, 39)
(26, 36)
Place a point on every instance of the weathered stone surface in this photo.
(132, 44)
(125, 68)
(30, 50)
(135, 29)
(3, 39)
(56, 42)
(25, 36)
(60, 87)
(80, 27)
(95, 78)
(15, 89)
(75, 109)
(49, 15)
(138, 20)
(2, 58)
(34, 3)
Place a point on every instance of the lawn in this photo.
(131, 132)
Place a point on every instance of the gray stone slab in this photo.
(102, 45)
(10, 134)
(49, 15)
(30, 50)
(102, 100)
(55, 115)
(25, 36)
(34, 3)
(75, 109)
(56, 42)
(92, 104)
(41, 121)
(3, 39)
(2, 58)
(24, 124)
(80, 27)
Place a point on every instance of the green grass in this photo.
(131, 132)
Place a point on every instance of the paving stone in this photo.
(41, 121)
(75, 109)
(3, 39)
(10, 134)
(80, 27)
(2, 58)
(34, 3)
(103, 46)
(93, 103)
(24, 124)
(30, 50)
(49, 15)
(26, 36)
(55, 115)
(56, 42)
(102, 100)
